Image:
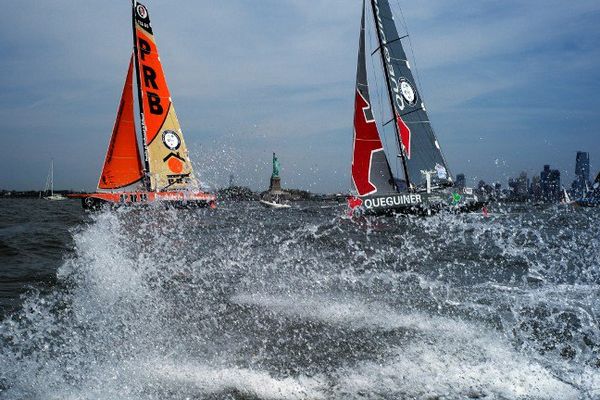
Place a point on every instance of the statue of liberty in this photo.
(275, 185)
(276, 167)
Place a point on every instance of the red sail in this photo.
(123, 165)
(366, 143)
(404, 133)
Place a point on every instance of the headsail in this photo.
(370, 167)
(419, 146)
(123, 164)
(166, 155)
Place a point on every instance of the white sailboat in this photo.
(49, 188)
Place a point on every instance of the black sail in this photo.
(370, 168)
(419, 146)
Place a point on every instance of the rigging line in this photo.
(383, 135)
(417, 122)
(388, 43)
(361, 35)
(410, 112)
(386, 74)
(412, 51)
(379, 98)
(388, 122)
(419, 85)
(408, 122)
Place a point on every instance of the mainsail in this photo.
(123, 164)
(419, 147)
(370, 167)
(166, 156)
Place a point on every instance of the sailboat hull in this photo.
(588, 202)
(175, 199)
(416, 203)
(55, 197)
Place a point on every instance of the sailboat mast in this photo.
(146, 178)
(51, 177)
(389, 90)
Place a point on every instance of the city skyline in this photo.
(531, 172)
(505, 91)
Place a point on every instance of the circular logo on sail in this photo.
(141, 11)
(171, 140)
(409, 94)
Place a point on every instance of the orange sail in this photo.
(167, 159)
(123, 165)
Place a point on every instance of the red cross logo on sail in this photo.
(366, 143)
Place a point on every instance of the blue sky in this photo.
(508, 85)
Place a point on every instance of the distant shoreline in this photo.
(230, 193)
(30, 194)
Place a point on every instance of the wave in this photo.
(242, 304)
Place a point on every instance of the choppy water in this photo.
(249, 303)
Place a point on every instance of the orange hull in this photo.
(175, 198)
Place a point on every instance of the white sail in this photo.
(50, 185)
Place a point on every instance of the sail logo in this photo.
(141, 11)
(149, 78)
(366, 144)
(171, 140)
(391, 201)
(408, 93)
(175, 162)
(354, 202)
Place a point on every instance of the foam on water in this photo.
(246, 303)
(445, 356)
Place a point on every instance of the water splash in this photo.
(247, 303)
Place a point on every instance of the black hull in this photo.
(588, 203)
(419, 204)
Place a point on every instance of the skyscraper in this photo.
(535, 189)
(582, 165)
(460, 181)
(550, 182)
(519, 186)
(582, 171)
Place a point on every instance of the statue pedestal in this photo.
(275, 192)
(275, 184)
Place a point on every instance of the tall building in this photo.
(519, 186)
(536, 188)
(550, 183)
(581, 183)
(460, 181)
(582, 165)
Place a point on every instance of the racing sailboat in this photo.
(164, 174)
(421, 182)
